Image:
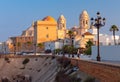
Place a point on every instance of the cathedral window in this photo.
(46, 27)
(83, 22)
(47, 36)
(63, 25)
(86, 22)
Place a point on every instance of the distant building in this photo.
(105, 39)
(29, 31)
(108, 39)
(3, 48)
(22, 44)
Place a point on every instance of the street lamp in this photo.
(34, 48)
(14, 48)
(98, 22)
(62, 45)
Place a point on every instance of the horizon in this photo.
(17, 16)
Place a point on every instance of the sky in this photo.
(18, 15)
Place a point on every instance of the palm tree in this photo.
(40, 46)
(89, 44)
(71, 34)
(28, 44)
(114, 28)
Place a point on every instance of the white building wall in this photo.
(107, 53)
(105, 39)
(4, 48)
(53, 45)
(1, 48)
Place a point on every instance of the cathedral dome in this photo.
(49, 18)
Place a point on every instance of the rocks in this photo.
(42, 70)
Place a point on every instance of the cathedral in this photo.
(82, 34)
(48, 29)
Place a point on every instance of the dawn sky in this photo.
(18, 15)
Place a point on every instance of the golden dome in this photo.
(49, 18)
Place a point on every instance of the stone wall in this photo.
(105, 72)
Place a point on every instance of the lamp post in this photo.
(98, 22)
(14, 48)
(62, 45)
(34, 48)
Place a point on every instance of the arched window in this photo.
(83, 22)
(86, 21)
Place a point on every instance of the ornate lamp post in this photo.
(14, 48)
(34, 48)
(62, 45)
(98, 22)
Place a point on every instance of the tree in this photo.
(56, 51)
(70, 50)
(114, 28)
(18, 46)
(71, 34)
(89, 44)
(88, 47)
(28, 45)
(40, 46)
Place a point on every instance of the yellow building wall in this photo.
(89, 36)
(46, 31)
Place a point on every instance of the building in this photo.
(84, 22)
(82, 31)
(4, 48)
(52, 45)
(22, 44)
(61, 27)
(29, 31)
(45, 30)
(105, 39)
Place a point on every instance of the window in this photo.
(47, 36)
(83, 22)
(86, 22)
(46, 27)
(63, 26)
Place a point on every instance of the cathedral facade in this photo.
(83, 35)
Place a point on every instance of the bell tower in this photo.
(61, 23)
(84, 22)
